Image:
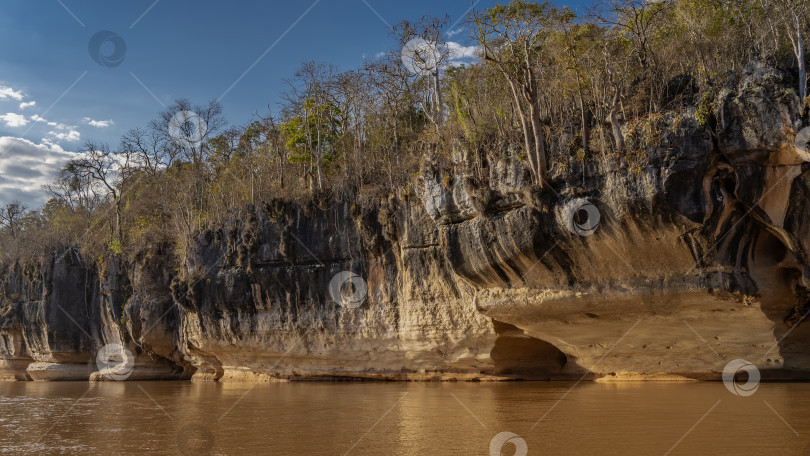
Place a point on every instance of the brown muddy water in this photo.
(403, 418)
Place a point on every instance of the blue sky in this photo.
(174, 49)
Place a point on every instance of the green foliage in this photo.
(116, 247)
(319, 126)
(705, 109)
(582, 155)
(637, 161)
(367, 130)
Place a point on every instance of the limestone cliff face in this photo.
(672, 263)
(670, 269)
(258, 305)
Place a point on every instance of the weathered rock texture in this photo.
(699, 257)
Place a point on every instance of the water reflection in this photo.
(401, 418)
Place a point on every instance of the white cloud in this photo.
(27, 104)
(68, 134)
(14, 120)
(98, 123)
(61, 132)
(455, 32)
(57, 125)
(8, 92)
(459, 52)
(50, 143)
(25, 167)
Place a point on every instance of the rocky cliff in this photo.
(669, 261)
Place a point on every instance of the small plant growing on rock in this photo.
(447, 180)
(637, 161)
(705, 109)
(116, 247)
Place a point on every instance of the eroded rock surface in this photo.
(670, 265)
(699, 257)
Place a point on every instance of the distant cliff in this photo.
(669, 262)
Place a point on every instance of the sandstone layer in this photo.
(666, 266)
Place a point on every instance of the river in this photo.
(403, 418)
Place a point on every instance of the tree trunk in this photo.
(318, 161)
(396, 136)
(438, 100)
(800, 58)
(526, 134)
(586, 136)
(614, 121)
(539, 148)
(613, 115)
(280, 166)
(358, 129)
(119, 234)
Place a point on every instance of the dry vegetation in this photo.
(560, 87)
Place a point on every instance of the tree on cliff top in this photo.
(513, 39)
(101, 168)
(314, 115)
(551, 89)
(426, 53)
(10, 215)
(185, 129)
(794, 16)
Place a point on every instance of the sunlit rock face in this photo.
(261, 308)
(57, 316)
(668, 265)
(257, 305)
(691, 261)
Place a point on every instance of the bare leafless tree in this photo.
(105, 170)
(10, 215)
(423, 45)
(793, 14)
(184, 129)
(150, 151)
